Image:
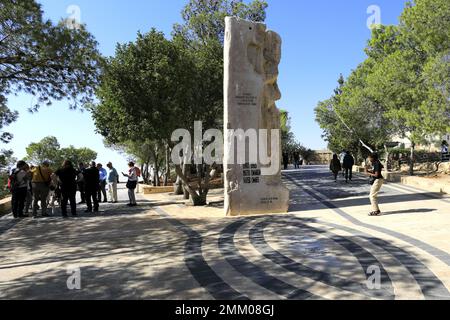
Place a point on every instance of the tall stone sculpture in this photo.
(252, 181)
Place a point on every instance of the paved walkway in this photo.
(326, 248)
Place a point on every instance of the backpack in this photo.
(138, 171)
(12, 180)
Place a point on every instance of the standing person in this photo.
(285, 160)
(19, 180)
(349, 162)
(80, 182)
(102, 185)
(68, 177)
(297, 160)
(376, 180)
(335, 166)
(92, 184)
(131, 184)
(42, 177)
(113, 178)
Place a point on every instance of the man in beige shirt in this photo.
(42, 176)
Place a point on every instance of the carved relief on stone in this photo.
(252, 56)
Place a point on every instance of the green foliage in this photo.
(153, 86)
(205, 19)
(146, 91)
(402, 89)
(46, 60)
(49, 149)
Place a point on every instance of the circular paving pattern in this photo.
(294, 258)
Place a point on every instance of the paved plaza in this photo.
(325, 248)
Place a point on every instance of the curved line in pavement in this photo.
(430, 285)
(198, 266)
(435, 252)
(364, 258)
(255, 273)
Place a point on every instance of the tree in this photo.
(49, 61)
(153, 86)
(46, 60)
(403, 85)
(352, 115)
(205, 19)
(49, 149)
(81, 155)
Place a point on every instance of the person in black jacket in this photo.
(91, 185)
(68, 177)
(348, 164)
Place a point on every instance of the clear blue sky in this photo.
(321, 39)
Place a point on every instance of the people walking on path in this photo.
(376, 180)
(68, 177)
(42, 177)
(335, 166)
(92, 184)
(132, 183)
(348, 164)
(19, 181)
(102, 185)
(80, 182)
(113, 178)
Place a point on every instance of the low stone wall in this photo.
(5, 206)
(358, 169)
(145, 189)
(427, 184)
(431, 185)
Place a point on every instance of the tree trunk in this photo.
(386, 168)
(186, 173)
(178, 187)
(412, 160)
(197, 198)
(166, 178)
(147, 173)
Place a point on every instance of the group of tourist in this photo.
(38, 187)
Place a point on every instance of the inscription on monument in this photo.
(269, 200)
(246, 100)
(251, 173)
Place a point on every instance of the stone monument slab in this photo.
(252, 183)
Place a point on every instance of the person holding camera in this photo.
(377, 181)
